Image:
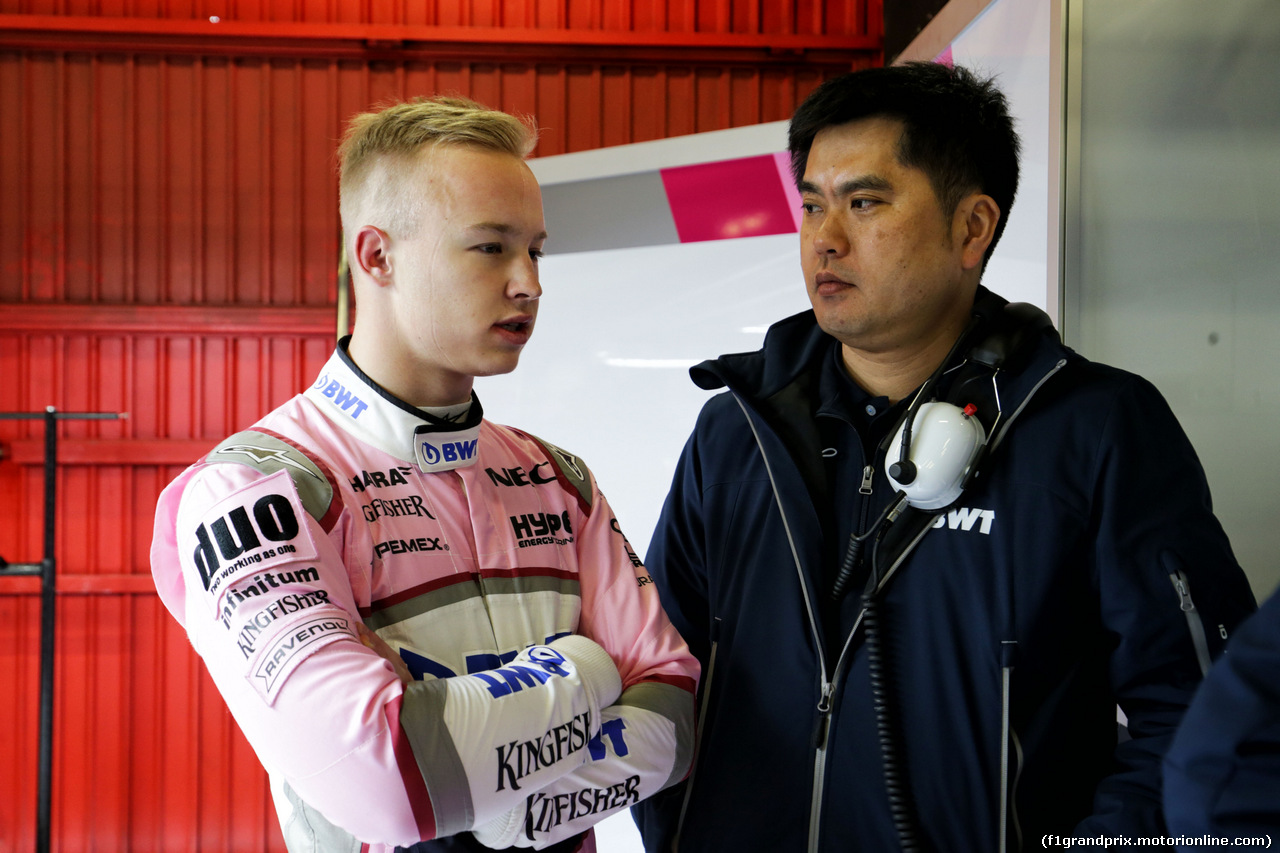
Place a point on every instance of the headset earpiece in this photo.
(1009, 336)
(945, 442)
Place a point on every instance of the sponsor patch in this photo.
(541, 528)
(518, 759)
(253, 529)
(967, 519)
(381, 479)
(445, 451)
(278, 657)
(538, 475)
(260, 626)
(339, 396)
(546, 812)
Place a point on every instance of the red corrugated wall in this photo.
(168, 248)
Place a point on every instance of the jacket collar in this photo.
(360, 406)
(793, 347)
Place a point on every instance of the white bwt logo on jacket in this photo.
(966, 518)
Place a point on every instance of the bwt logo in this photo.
(341, 397)
(236, 534)
(450, 451)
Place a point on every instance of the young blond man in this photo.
(429, 627)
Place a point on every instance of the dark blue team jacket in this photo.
(1082, 569)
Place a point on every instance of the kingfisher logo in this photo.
(341, 397)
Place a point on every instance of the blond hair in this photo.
(379, 146)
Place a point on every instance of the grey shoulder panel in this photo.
(269, 454)
(571, 470)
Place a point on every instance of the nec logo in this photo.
(450, 451)
(518, 477)
(964, 518)
(341, 397)
(237, 535)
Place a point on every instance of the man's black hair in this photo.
(956, 128)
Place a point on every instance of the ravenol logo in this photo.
(450, 451)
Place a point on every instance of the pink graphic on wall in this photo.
(746, 197)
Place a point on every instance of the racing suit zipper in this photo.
(1194, 624)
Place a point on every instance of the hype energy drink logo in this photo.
(444, 451)
(338, 394)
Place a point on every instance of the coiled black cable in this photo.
(852, 555)
(896, 778)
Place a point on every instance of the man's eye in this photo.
(490, 248)
(810, 208)
(536, 254)
(862, 203)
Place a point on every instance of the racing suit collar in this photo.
(360, 406)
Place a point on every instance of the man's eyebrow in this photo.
(503, 228)
(851, 186)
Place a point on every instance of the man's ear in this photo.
(373, 253)
(977, 217)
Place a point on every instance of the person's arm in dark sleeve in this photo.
(676, 562)
(1170, 592)
(1222, 774)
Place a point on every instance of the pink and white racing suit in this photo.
(552, 689)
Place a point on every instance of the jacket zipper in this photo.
(1008, 788)
(827, 686)
(697, 739)
(1194, 624)
(820, 763)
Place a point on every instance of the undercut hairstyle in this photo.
(380, 146)
(956, 128)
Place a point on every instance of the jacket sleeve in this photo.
(1220, 774)
(676, 562)
(260, 586)
(646, 738)
(1169, 588)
